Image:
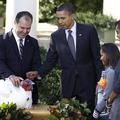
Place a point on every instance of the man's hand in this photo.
(15, 80)
(32, 75)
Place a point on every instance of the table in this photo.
(39, 112)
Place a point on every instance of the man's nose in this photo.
(60, 21)
(26, 31)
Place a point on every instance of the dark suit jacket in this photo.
(87, 66)
(10, 62)
(116, 85)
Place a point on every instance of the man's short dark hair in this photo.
(21, 14)
(66, 7)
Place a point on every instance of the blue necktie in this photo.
(21, 48)
(71, 44)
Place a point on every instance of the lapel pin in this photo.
(80, 34)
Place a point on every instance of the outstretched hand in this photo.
(15, 80)
(31, 75)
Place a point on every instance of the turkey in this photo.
(21, 96)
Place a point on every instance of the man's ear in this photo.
(15, 23)
(73, 17)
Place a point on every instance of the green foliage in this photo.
(94, 6)
(2, 8)
(69, 109)
(49, 87)
(101, 22)
(48, 7)
(90, 13)
(10, 112)
(2, 12)
(43, 53)
(3, 1)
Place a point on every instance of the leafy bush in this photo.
(46, 10)
(49, 87)
(48, 7)
(90, 13)
(2, 8)
(10, 112)
(101, 22)
(43, 53)
(69, 110)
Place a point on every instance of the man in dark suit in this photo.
(79, 62)
(19, 52)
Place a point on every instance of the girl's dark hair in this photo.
(113, 53)
(117, 24)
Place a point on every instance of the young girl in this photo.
(109, 57)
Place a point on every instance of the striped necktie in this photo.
(21, 48)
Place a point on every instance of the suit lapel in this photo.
(14, 44)
(27, 48)
(64, 39)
